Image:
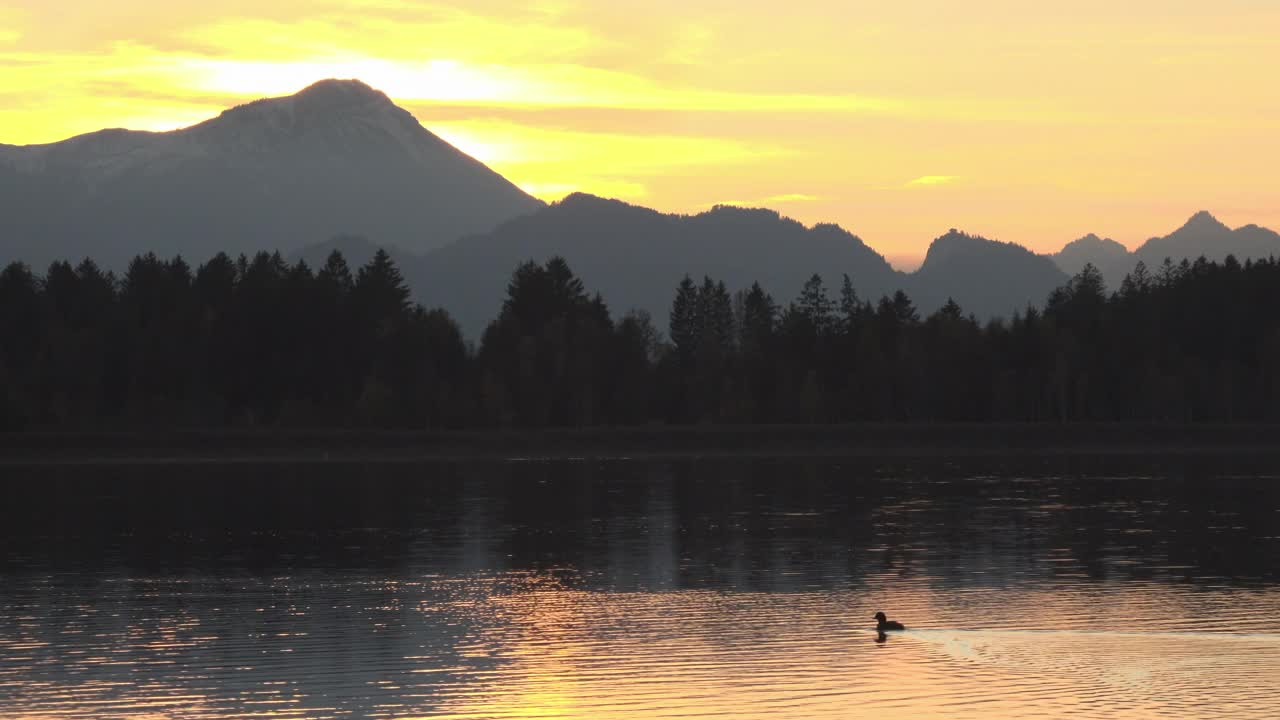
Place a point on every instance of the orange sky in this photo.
(1024, 121)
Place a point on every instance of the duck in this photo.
(883, 623)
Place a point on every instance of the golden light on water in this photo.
(558, 652)
(673, 596)
(575, 654)
(1023, 121)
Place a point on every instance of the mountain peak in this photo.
(584, 204)
(949, 245)
(582, 199)
(345, 85)
(1204, 235)
(335, 92)
(959, 246)
(954, 237)
(1204, 220)
(337, 157)
(1092, 244)
(323, 101)
(987, 277)
(1105, 254)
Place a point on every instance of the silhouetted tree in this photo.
(683, 326)
(540, 359)
(257, 341)
(757, 342)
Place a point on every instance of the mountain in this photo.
(355, 249)
(986, 277)
(281, 173)
(1110, 257)
(339, 166)
(635, 256)
(1204, 235)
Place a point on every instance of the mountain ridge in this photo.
(340, 165)
(337, 157)
(986, 277)
(635, 255)
(1201, 235)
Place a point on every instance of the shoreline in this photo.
(887, 441)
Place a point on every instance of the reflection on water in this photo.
(629, 589)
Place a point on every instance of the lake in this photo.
(1088, 588)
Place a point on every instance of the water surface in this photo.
(641, 590)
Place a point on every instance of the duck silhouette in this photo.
(883, 623)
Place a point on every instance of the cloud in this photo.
(11, 22)
(678, 102)
(792, 197)
(932, 180)
(550, 163)
(397, 33)
(448, 80)
(616, 189)
(782, 199)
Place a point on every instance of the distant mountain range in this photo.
(635, 256)
(1109, 256)
(339, 166)
(1202, 235)
(278, 173)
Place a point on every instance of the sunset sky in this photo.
(1024, 121)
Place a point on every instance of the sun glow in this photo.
(930, 180)
(528, 156)
(442, 80)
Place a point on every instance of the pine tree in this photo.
(815, 307)
(683, 327)
(380, 294)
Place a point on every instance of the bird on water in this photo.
(883, 623)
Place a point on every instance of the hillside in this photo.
(281, 173)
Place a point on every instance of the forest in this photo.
(263, 343)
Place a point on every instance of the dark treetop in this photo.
(259, 342)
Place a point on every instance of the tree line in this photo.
(260, 342)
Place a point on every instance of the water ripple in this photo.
(671, 598)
